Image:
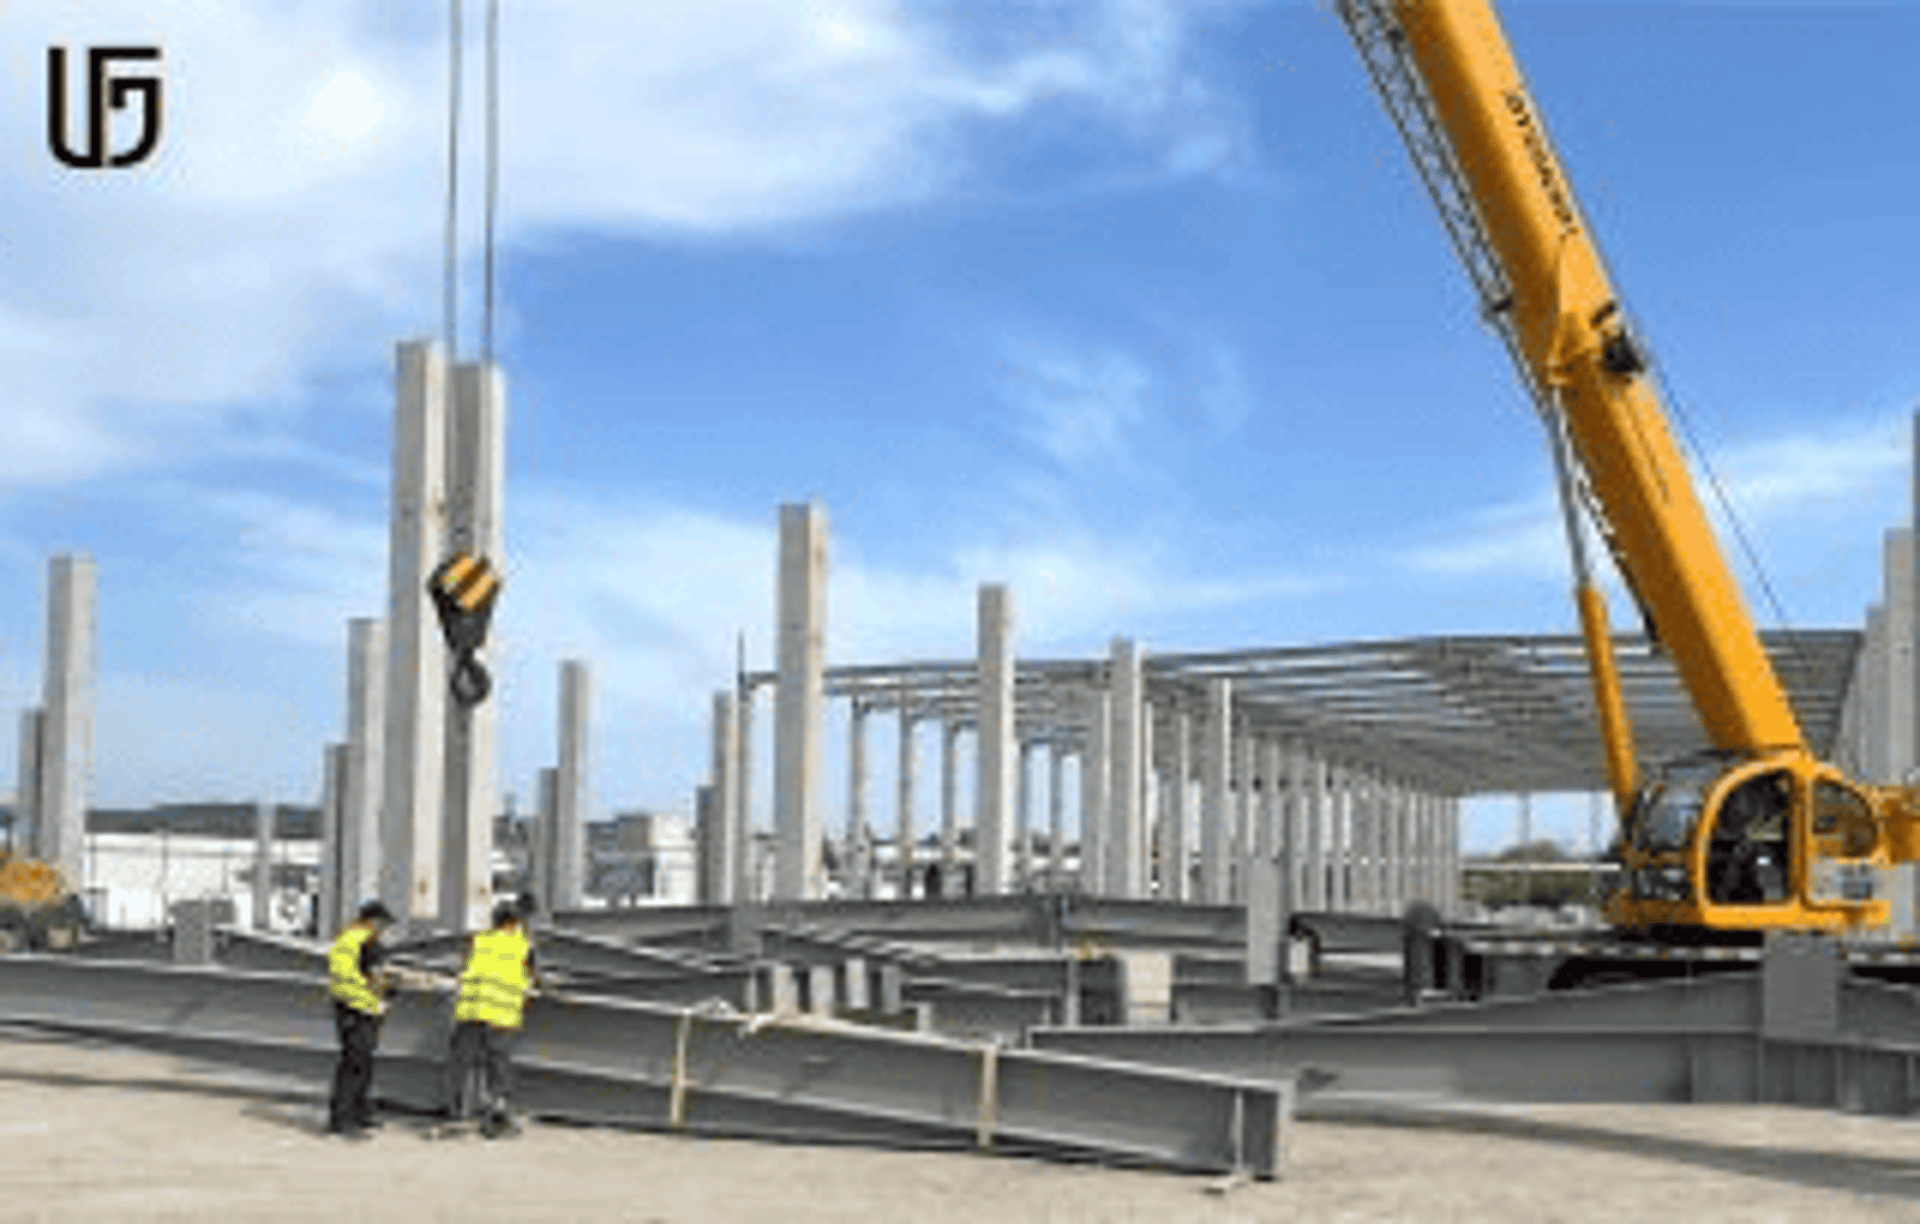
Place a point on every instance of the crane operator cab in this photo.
(1729, 842)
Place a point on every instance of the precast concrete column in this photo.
(1148, 825)
(800, 703)
(1246, 812)
(1096, 781)
(1381, 793)
(903, 799)
(1339, 826)
(1023, 820)
(1898, 633)
(546, 836)
(857, 864)
(1314, 896)
(361, 787)
(263, 814)
(26, 792)
(66, 732)
(476, 521)
(1294, 824)
(1403, 846)
(720, 843)
(994, 749)
(949, 809)
(1450, 834)
(332, 903)
(1056, 816)
(1125, 818)
(414, 759)
(573, 802)
(1177, 852)
(1216, 800)
(746, 884)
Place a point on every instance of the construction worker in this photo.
(486, 1018)
(359, 986)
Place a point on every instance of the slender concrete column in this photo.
(361, 840)
(263, 830)
(1216, 842)
(1899, 632)
(720, 844)
(903, 804)
(949, 809)
(1383, 845)
(414, 759)
(1339, 839)
(857, 884)
(1148, 824)
(332, 904)
(66, 734)
(746, 885)
(1450, 831)
(1264, 754)
(1294, 830)
(1177, 855)
(1023, 820)
(1056, 815)
(1313, 896)
(1096, 781)
(26, 793)
(1403, 847)
(1122, 878)
(573, 802)
(800, 703)
(994, 747)
(476, 520)
(1246, 812)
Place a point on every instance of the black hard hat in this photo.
(528, 904)
(505, 912)
(375, 911)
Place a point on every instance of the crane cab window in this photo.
(1843, 825)
(1747, 854)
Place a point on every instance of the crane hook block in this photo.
(464, 590)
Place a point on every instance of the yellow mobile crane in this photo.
(1757, 834)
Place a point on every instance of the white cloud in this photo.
(291, 220)
(1078, 407)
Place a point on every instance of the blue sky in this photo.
(1133, 304)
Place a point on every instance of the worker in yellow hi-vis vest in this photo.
(359, 986)
(487, 1015)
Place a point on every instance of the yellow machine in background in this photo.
(1757, 834)
(37, 908)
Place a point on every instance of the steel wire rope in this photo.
(492, 173)
(450, 273)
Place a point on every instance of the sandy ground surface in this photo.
(95, 1133)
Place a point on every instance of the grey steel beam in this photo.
(655, 1066)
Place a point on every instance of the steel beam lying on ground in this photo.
(1719, 1039)
(647, 1065)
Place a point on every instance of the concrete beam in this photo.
(414, 757)
(800, 704)
(995, 751)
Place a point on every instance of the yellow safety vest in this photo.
(493, 987)
(348, 984)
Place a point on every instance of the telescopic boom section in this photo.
(1568, 331)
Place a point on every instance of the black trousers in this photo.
(353, 1074)
(479, 1070)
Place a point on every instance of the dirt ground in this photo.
(96, 1133)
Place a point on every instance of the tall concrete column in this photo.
(573, 801)
(1122, 875)
(1149, 819)
(746, 884)
(1899, 630)
(1294, 831)
(1177, 851)
(1023, 820)
(1056, 816)
(1216, 801)
(858, 864)
(546, 836)
(800, 703)
(1096, 781)
(1314, 895)
(263, 831)
(1450, 829)
(66, 733)
(720, 843)
(949, 808)
(414, 758)
(26, 787)
(1246, 812)
(1401, 889)
(1383, 845)
(994, 747)
(332, 904)
(1340, 840)
(361, 840)
(903, 802)
(476, 520)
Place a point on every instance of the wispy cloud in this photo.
(1079, 408)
